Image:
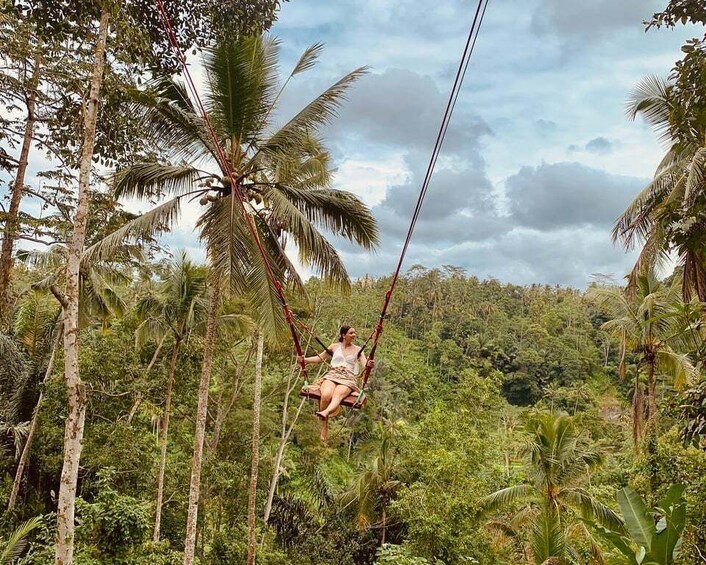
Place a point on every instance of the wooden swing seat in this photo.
(313, 392)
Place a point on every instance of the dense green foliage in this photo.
(440, 434)
(504, 424)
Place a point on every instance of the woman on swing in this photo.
(340, 380)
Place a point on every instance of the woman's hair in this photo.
(343, 331)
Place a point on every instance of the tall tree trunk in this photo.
(26, 450)
(652, 430)
(651, 396)
(638, 412)
(255, 457)
(76, 416)
(163, 439)
(384, 525)
(200, 432)
(12, 223)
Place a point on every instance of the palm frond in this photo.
(635, 223)
(650, 98)
(337, 211)
(504, 498)
(653, 256)
(52, 258)
(145, 226)
(694, 183)
(176, 127)
(547, 538)
(231, 249)
(16, 544)
(35, 322)
(677, 365)
(242, 82)
(317, 113)
(150, 329)
(145, 180)
(591, 509)
(694, 278)
(308, 58)
(314, 249)
(240, 324)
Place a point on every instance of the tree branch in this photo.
(59, 296)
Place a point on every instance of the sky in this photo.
(539, 159)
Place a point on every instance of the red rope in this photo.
(235, 187)
(458, 81)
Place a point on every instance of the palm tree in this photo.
(178, 304)
(375, 487)
(667, 214)
(647, 323)
(100, 281)
(558, 463)
(38, 327)
(39, 321)
(283, 174)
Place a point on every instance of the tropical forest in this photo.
(257, 307)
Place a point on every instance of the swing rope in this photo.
(235, 186)
(453, 97)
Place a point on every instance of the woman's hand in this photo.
(301, 360)
(370, 364)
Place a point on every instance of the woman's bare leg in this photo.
(327, 390)
(324, 430)
(339, 393)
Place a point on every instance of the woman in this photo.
(340, 381)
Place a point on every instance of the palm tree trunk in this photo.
(255, 457)
(163, 440)
(12, 224)
(200, 432)
(638, 411)
(26, 450)
(75, 419)
(384, 520)
(651, 395)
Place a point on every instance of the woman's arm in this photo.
(364, 360)
(318, 358)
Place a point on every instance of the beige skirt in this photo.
(342, 376)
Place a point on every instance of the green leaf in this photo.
(674, 496)
(664, 544)
(637, 520)
(621, 543)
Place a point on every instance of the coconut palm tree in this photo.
(667, 215)
(178, 304)
(647, 321)
(375, 487)
(283, 174)
(274, 184)
(553, 500)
